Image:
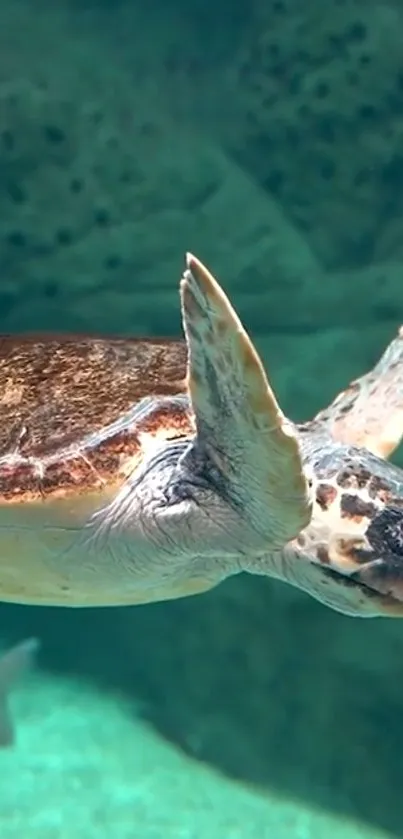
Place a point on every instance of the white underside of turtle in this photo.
(140, 470)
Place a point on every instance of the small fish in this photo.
(13, 664)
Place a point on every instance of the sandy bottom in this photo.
(85, 766)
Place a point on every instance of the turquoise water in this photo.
(243, 712)
(87, 766)
(266, 139)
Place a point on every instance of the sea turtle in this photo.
(140, 470)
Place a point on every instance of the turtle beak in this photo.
(374, 602)
(382, 577)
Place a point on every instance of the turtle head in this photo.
(377, 558)
(355, 537)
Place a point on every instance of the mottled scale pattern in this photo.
(356, 532)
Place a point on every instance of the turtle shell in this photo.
(66, 405)
(68, 441)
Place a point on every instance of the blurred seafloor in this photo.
(267, 138)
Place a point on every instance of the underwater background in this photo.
(266, 136)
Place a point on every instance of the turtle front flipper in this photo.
(240, 426)
(369, 413)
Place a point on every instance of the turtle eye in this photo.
(394, 533)
(385, 533)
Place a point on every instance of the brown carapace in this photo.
(65, 405)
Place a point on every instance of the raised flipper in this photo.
(369, 412)
(238, 420)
